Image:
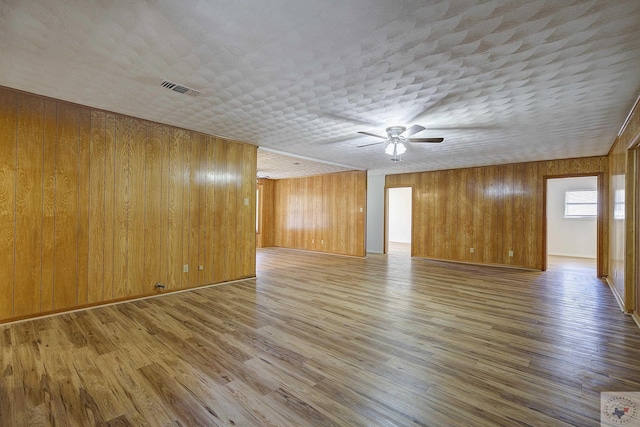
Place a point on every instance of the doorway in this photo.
(398, 230)
(572, 223)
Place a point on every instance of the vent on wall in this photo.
(179, 88)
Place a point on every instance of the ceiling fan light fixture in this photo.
(390, 149)
(395, 148)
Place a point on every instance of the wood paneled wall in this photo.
(323, 213)
(624, 160)
(617, 222)
(266, 220)
(96, 207)
(494, 210)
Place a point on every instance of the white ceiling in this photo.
(502, 81)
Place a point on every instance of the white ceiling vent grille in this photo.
(179, 88)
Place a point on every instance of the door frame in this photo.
(385, 245)
(600, 255)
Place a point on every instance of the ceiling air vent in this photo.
(179, 88)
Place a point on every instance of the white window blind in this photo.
(581, 204)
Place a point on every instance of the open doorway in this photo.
(572, 223)
(398, 233)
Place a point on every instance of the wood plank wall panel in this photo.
(494, 209)
(96, 208)
(49, 139)
(153, 198)
(624, 179)
(321, 213)
(28, 204)
(108, 205)
(65, 278)
(186, 149)
(197, 143)
(8, 131)
(174, 208)
(617, 224)
(135, 279)
(248, 226)
(265, 236)
(220, 194)
(84, 165)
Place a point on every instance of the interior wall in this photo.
(375, 214)
(622, 203)
(264, 238)
(96, 207)
(399, 214)
(574, 237)
(323, 213)
(492, 209)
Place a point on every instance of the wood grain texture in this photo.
(323, 213)
(96, 252)
(8, 133)
(122, 203)
(174, 209)
(493, 209)
(84, 202)
(50, 138)
(220, 199)
(230, 213)
(153, 208)
(65, 284)
(197, 142)
(135, 276)
(110, 205)
(246, 177)
(210, 221)
(382, 340)
(28, 206)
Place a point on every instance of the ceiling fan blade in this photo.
(367, 145)
(412, 130)
(373, 134)
(426, 139)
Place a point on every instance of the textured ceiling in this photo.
(502, 81)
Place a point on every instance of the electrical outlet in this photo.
(185, 268)
(472, 250)
(201, 267)
(246, 201)
(510, 253)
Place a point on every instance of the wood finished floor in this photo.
(326, 340)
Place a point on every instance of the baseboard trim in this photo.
(116, 302)
(479, 264)
(617, 296)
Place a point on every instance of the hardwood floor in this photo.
(399, 248)
(327, 340)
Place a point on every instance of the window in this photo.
(581, 204)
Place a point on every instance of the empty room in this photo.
(304, 213)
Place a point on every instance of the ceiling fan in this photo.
(397, 137)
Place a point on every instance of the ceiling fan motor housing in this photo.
(395, 131)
